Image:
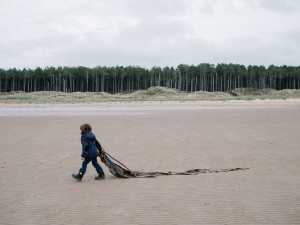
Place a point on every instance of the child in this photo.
(90, 152)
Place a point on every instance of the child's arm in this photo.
(85, 146)
(99, 147)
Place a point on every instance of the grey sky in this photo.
(148, 32)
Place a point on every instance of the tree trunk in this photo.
(122, 82)
(87, 81)
(102, 83)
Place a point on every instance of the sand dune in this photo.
(156, 94)
(40, 152)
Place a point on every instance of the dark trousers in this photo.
(86, 161)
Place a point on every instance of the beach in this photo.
(40, 149)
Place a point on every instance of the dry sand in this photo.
(40, 149)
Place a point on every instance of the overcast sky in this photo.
(148, 32)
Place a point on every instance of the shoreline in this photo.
(153, 103)
(138, 108)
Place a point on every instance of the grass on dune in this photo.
(151, 94)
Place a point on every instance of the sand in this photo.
(40, 149)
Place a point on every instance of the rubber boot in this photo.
(77, 177)
(100, 177)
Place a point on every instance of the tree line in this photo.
(119, 79)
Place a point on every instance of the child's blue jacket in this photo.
(90, 145)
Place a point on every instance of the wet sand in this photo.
(40, 149)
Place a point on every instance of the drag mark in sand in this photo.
(120, 170)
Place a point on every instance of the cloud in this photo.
(282, 6)
(148, 33)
